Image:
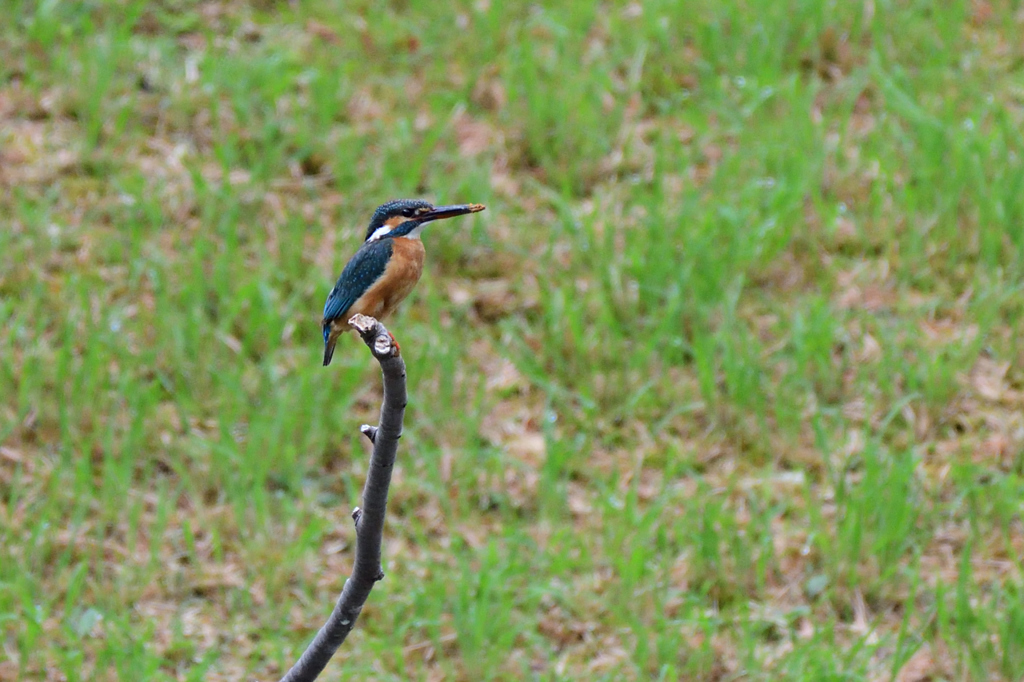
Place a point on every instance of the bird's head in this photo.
(406, 217)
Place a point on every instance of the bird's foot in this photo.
(398, 349)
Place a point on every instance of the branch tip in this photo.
(363, 324)
(381, 342)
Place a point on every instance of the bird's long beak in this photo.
(440, 212)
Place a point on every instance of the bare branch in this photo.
(369, 519)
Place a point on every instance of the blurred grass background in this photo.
(725, 384)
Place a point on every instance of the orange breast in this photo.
(397, 282)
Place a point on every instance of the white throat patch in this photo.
(385, 230)
(380, 232)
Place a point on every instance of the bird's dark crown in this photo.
(398, 209)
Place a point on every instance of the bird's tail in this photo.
(329, 344)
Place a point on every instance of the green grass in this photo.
(726, 383)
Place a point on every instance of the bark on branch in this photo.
(369, 519)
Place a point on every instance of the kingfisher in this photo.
(386, 267)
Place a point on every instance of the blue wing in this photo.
(362, 271)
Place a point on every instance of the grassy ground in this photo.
(725, 384)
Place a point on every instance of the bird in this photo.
(385, 268)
